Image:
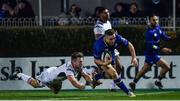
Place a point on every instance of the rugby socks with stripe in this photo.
(136, 80)
(121, 85)
(24, 77)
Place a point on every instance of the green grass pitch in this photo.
(90, 95)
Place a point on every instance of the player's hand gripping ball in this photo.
(106, 56)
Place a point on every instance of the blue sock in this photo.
(99, 76)
(121, 85)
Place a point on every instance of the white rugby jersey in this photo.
(60, 72)
(101, 27)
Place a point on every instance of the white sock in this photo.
(24, 77)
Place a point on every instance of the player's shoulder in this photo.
(158, 27)
(99, 43)
(118, 36)
(98, 26)
(67, 65)
(99, 40)
(149, 29)
(69, 68)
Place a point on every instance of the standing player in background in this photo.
(153, 36)
(107, 43)
(53, 76)
(100, 27)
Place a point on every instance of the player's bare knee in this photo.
(114, 74)
(168, 68)
(33, 82)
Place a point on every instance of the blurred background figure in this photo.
(119, 10)
(4, 11)
(178, 9)
(74, 11)
(24, 9)
(134, 11)
(156, 7)
(71, 17)
(95, 13)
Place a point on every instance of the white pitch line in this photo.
(74, 98)
(153, 93)
(77, 98)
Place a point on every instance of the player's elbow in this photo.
(130, 46)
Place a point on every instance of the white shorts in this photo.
(48, 75)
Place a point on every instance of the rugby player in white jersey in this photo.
(100, 27)
(53, 76)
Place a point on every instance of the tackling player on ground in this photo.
(152, 37)
(53, 76)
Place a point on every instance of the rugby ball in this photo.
(105, 56)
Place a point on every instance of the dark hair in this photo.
(101, 9)
(76, 55)
(135, 4)
(77, 8)
(153, 14)
(109, 32)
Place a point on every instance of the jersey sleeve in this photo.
(98, 29)
(96, 52)
(69, 72)
(163, 35)
(121, 40)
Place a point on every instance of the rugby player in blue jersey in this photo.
(152, 36)
(102, 24)
(108, 42)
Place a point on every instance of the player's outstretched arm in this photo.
(173, 35)
(75, 82)
(87, 77)
(133, 54)
(166, 50)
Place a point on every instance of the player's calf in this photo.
(132, 85)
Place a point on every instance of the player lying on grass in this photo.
(54, 76)
(153, 36)
(107, 43)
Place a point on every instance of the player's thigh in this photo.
(118, 65)
(111, 71)
(163, 63)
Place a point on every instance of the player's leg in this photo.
(114, 75)
(34, 83)
(55, 86)
(100, 74)
(28, 79)
(118, 68)
(165, 68)
(118, 65)
(146, 67)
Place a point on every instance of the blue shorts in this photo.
(152, 59)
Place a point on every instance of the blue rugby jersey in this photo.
(153, 36)
(100, 46)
